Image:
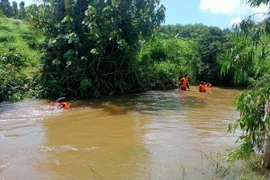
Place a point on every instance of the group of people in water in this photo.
(61, 103)
(204, 85)
(184, 85)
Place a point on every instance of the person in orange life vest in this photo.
(202, 87)
(184, 83)
(208, 85)
(61, 103)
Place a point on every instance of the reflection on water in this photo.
(21, 133)
(148, 136)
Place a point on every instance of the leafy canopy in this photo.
(92, 46)
(250, 55)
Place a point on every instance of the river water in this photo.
(149, 136)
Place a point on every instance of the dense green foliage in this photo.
(162, 61)
(113, 47)
(209, 44)
(155, 62)
(11, 10)
(250, 62)
(89, 60)
(6, 8)
(92, 47)
(19, 59)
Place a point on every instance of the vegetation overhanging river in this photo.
(147, 136)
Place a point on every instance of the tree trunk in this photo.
(267, 138)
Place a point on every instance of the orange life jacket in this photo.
(63, 105)
(202, 88)
(184, 81)
(208, 85)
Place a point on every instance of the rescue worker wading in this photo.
(202, 87)
(184, 83)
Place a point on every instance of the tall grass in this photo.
(228, 170)
(16, 33)
(19, 58)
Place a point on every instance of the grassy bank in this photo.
(20, 51)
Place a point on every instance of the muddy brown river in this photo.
(160, 135)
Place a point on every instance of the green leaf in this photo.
(94, 51)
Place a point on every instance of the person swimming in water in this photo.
(60, 103)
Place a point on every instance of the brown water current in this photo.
(149, 136)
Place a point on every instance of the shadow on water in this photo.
(149, 102)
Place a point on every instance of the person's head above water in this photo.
(61, 99)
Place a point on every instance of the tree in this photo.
(12, 74)
(253, 104)
(15, 8)
(6, 8)
(2, 15)
(22, 12)
(211, 43)
(92, 47)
